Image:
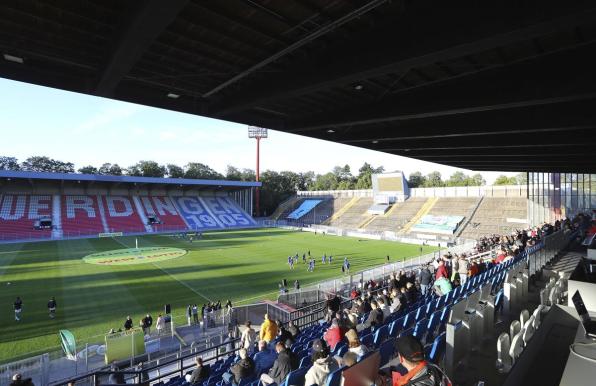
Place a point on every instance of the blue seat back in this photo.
(296, 377)
(380, 335)
(368, 340)
(334, 378)
(438, 348)
(386, 350)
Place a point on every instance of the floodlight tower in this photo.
(258, 133)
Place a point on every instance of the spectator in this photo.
(248, 338)
(425, 278)
(268, 330)
(442, 286)
(195, 314)
(285, 363)
(160, 325)
(354, 344)
(294, 330)
(18, 380)
(143, 377)
(462, 269)
(264, 358)
(420, 373)
(244, 368)
(383, 307)
(375, 317)
(128, 323)
(322, 364)
(283, 334)
(411, 293)
(441, 271)
(116, 377)
(334, 334)
(349, 359)
(200, 374)
(147, 322)
(189, 315)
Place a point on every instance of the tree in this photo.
(457, 179)
(146, 169)
(111, 170)
(46, 164)
(9, 163)
(416, 180)
(476, 180)
(433, 180)
(88, 170)
(504, 180)
(522, 179)
(200, 171)
(326, 181)
(364, 179)
(175, 171)
(233, 174)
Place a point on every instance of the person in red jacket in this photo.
(441, 271)
(334, 334)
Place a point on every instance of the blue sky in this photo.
(89, 130)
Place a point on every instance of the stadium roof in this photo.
(491, 85)
(139, 181)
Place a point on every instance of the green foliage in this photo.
(9, 163)
(46, 164)
(416, 180)
(110, 169)
(146, 169)
(504, 180)
(175, 171)
(88, 170)
(199, 171)
(433, 180)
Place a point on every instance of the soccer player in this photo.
(291, 263)
(52, 307)
(348, 267)
(18, 307)
(330, 258)
(324, 259)
(387, 258)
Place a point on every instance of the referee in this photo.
(18, 307)
(52, 307)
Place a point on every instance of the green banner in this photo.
(69, 345)
(125, 344)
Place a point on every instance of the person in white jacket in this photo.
(160, 325)
(248, 338)
(323, 364)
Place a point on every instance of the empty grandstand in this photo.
(108, 204)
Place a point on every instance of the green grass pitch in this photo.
(240, 265)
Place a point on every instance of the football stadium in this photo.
(167, 275)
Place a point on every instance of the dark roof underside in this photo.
(484, 85)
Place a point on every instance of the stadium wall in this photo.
(451, 191)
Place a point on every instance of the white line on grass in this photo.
(167, 273)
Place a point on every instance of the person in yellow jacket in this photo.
(268, 330)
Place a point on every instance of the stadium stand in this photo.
(398, 215)
(82, 215)
(163, 211)
(355, 215)
(121, 214)
(427, 318)
(493, 214)
(19, 213)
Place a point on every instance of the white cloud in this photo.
(108, 114)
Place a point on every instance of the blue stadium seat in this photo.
(420, 313)
(380, 335)
(342, 350)
(438, 348)
(386, 350)
(296, 377)
(407, 332)
(433, 324)
(499, 302)
(394, 328)
(334, 378)
(445, 314)
(430, 307)
(368, 340)
(420, 329)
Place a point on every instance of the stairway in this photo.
(428, 205)
(56, 217)
(340, 212)
(137, 201)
